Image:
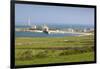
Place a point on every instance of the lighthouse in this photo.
(29, 21)
(30, 25)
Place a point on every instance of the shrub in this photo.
(76, 51)
(25, 55)
(42, 54)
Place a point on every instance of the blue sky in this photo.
(40, 14)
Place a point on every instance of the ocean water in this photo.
(36, 34)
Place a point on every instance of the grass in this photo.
(39, 42)
(44, 50)
(61, 59)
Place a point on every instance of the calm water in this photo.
(35, 34)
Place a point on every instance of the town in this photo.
(45, 29)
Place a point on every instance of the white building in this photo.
(85, 30)
(70, 30)
(34, 27)
(45, 28)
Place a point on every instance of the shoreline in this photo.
(55, 32)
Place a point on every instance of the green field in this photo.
(45, 50)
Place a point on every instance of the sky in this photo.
(41, 14)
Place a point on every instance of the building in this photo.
(70, 30)
(33, 27)
(45, 29)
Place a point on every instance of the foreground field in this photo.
(46, 50)
(61, 59)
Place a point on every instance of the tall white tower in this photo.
(29, 21)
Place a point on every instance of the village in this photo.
(45, 29)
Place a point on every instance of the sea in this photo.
(54, 26)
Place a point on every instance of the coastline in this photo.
(55, 32)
